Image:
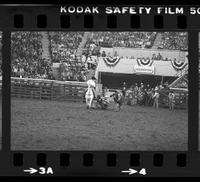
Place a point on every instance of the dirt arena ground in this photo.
(61, 125)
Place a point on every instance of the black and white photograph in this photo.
(100, 91)
(0, 89)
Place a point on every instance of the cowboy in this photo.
(130, 95)
(136, 90)
(171, 98)
(117, 97)
(124, 89)
(151, 100)
(124, 86)
(156, 97)
(145, 98)
(141, 88)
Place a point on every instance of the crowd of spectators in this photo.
(27, 61)
(169, 41)
(114, 39)
(174, 41)
(26, 56)
(72, 71)
(27, 50)
(64, 46)
(155, 57)
(119, 39)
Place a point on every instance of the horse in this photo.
(89, 97)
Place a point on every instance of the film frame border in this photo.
(146, 158)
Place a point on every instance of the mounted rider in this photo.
(90, 93)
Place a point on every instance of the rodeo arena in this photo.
(99, 91)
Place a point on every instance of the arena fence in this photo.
(47, 89)
(75, 91)
(181, 98)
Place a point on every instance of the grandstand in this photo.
(173, 41)
(123, 39)
(164, 40)
(26, 56)
(75, 54)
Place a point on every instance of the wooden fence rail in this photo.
(47, 89)
(181, 98)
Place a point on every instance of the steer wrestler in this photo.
(171, 98)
